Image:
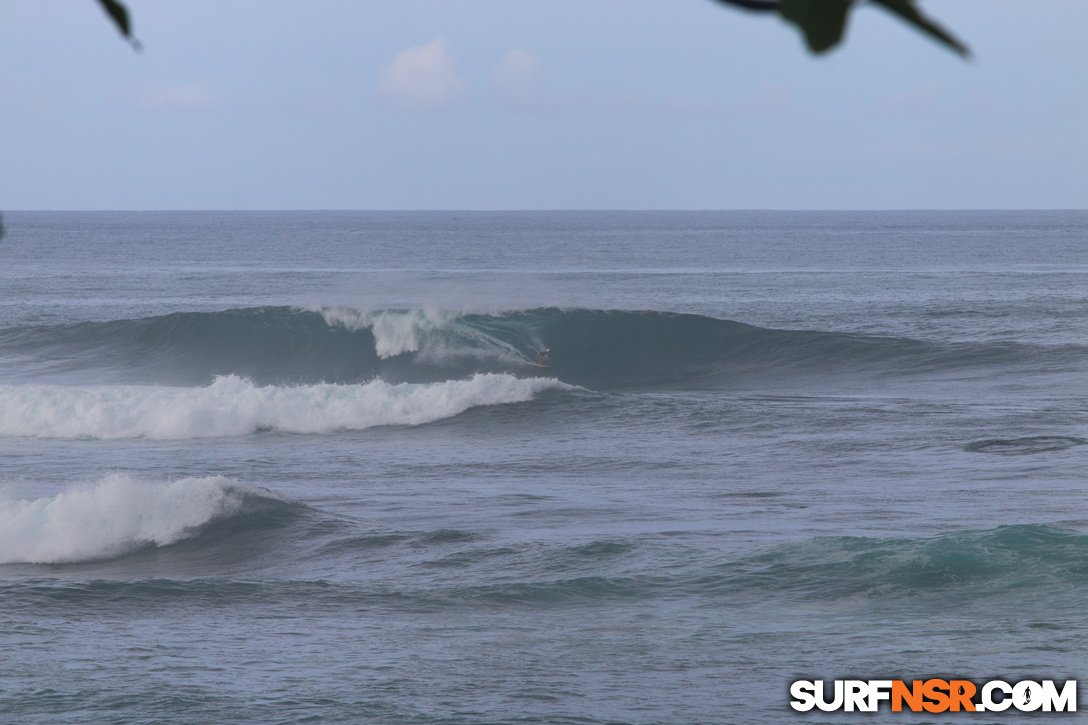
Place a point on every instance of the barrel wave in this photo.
(600, 349)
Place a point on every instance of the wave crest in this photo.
(113, 518)
(234, 406)
(395, 332)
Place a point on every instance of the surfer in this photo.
(543, 358)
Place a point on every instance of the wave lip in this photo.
(115, 517)
(395, 332)
(234, 406)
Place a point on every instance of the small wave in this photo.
(233, 406)
(1008, 558)
(1024, 446)
(115, 517)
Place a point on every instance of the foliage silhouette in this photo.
(823, 22)
(119, 13)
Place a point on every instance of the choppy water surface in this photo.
(302, 467)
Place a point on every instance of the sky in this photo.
(537, 104)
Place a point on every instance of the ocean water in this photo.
(300, 467)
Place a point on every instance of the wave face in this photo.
(997, 561)
(117, 516)
(233, 406)
(593, 348)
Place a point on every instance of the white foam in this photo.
(111, 518)
(395, 333)
(233, 406)
(437, 336)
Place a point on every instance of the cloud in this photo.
(517, 78)
(422, 78)
(192, 97)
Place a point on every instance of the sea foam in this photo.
(233, 406)
(436, 336)
(116, 516)
(395, 332)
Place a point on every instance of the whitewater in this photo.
(303, 467)
(232, 406)
(110, 519)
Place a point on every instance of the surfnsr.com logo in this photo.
(934, 696)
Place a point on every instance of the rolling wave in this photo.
(233, 406)
(999, 561)
(1004, 559)
(593, 348)
(117, 517)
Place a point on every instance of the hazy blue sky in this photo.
(537, 104)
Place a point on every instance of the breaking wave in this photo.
(117, 516)
(594, 348)
(234, 406)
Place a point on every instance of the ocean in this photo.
(301, 467)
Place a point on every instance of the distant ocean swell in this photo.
(234, 406)
(593, 348)
(209, 520)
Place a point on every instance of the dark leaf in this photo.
(119, 13)
(906, 10)
(761, 5)
(822, 22)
